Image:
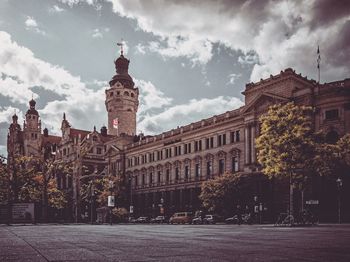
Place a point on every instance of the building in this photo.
(165, 171)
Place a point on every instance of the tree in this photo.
(222, 193)
(4, 181)
(289, 147)
(34, 180)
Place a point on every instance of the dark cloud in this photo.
(328, 11)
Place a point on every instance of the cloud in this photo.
(232, 78)
(32, 25)
(96, 33)
(21, 72)
(272, 35)
(6, 114)
(56, 9)
(186, 113)
(150, 97)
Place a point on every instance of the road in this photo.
(174, 243)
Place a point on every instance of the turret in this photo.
(32, 130)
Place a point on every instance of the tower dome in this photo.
(32, 110)
(122, 74)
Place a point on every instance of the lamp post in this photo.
(92, 194)
(111, 202)
(339, 185)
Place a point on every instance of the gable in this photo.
(262, 102)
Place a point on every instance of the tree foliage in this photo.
(221, 194)
(288, 145)
(286, 140)
(4, 182)
(34, 180)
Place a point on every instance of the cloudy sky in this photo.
(190, 58)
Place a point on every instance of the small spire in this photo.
(121, 44)
(64, 116)
(94, 128)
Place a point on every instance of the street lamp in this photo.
(111, 202)
(339, 185)
(92, 194)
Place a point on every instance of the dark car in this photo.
(142, 220)
(159, 220)
(210, 219)
(245, 219)
(197, 221)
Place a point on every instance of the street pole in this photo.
(291, 211)
(339, 184)
(92, 193)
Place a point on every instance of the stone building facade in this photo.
(165, 171)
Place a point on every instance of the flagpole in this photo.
(318, 63)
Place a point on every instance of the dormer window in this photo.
(94, 138)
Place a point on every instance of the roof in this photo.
(76, 132)
(51, 139)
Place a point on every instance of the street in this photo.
(174, 243)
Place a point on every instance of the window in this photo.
(143, 179)
(209, 169)
(94, 138)
(151, 178)
(332, 114)
(221, 166)
(224, 139)
(211, 142)
(64, 151)
(187, 172)
(189, 147)
(185, 149)
(200, 145)
(195, 146)
(159, 176)
(111, 94)
(237, 136)
(234, 164)
(167, 175)
(177, 174)
(207, 143)
(99, 151)
(219, 140)
(197, 170)
(232, 137)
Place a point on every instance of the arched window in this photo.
(126, 93)
(132, 94)
(111, 94)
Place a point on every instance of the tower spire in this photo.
(121, 44)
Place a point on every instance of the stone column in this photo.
(252, 144)
(247, 144)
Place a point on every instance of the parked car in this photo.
(245, 219)
(181, 218)
(159, 220)
(132, 220)
(210, 219)
(142, 220)
(197, 220)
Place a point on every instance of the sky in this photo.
(190, 59)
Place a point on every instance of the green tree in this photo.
(34, 180)
(289, 147)
(222, 193)
(4, 181)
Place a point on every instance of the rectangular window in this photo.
(234, 164)
(197, 170)
(219, 140)
(151, 178)
(185, 149)
(221, 166)
(99, 151)
(167, 175)
(187, 172)
(232, 137)
(211, 142)
(179, 150)
(177, 175)
(189, 147)
(159, 177)
(332, 114)
(195, 146)
(237, 136)
(175, 150)
(207, 143)
(209, 168)
(200, 145)
(224, 139)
